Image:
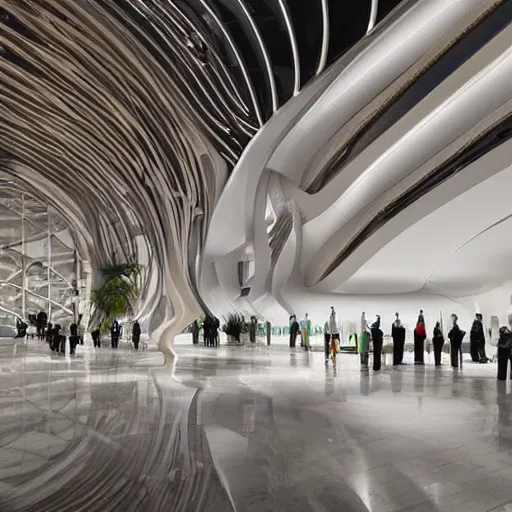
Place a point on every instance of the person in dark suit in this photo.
(477, 341)
(136, 335)
(398, 335)
(504, 352)
(377, 336)
(252, 329)
(294, 329)
(456, 336)
(208, 331)
(49, 334)
(96, 337)
(438, 342)
(58, 340)
(21, 327)
(115, 333)
(194, 329)
(73, 337)
(41, 322)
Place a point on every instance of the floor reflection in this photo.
(248, 429)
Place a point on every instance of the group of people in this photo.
(455, 335)
(56, 340)
(116, 330)
(304, 328)
(373, 333)
(210, 326)
(50, 333)
(36, 326)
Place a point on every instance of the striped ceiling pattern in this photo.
(128, 115)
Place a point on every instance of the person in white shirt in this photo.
(334, 331)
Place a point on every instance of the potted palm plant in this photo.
(118, 293)
(235, 325)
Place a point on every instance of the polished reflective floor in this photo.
(248, 429)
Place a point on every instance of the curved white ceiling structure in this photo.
(393, 141)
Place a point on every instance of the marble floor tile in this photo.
(249, 429)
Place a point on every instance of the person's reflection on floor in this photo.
(364, 384)
(375, 383)
(330, 383)
(457, 382)
(477, 390)
(419, 379)
(502, 426)
(396, 380)
(293, 360)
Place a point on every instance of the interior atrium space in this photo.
(255, 255)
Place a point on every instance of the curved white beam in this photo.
(325, 37)
(373, 15)
(313, 205)
(478, 99)
(391, 54)
(293, 44)
(492, 163)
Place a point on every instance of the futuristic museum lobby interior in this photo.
(255, 255)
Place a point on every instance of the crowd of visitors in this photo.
(210, 326)
(373, 333)
(56, 338)
(55, 334)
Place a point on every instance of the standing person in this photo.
(305, 329)
(398, 335)
(58, 340)
(456, 336)
(96, 337)
(136, 335)
(294, 329)
(334, 329)
(377, 336)
(477, 341)
(211, 331)
(115, 332)
(252, 329)
(194, 329)
(73, 337)
(21, 327)
(327, 341)
(207, 328)
(49, 334)
(420, 334)
(504, 352)
(438, 342)
(41, 322)
(364, 343)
